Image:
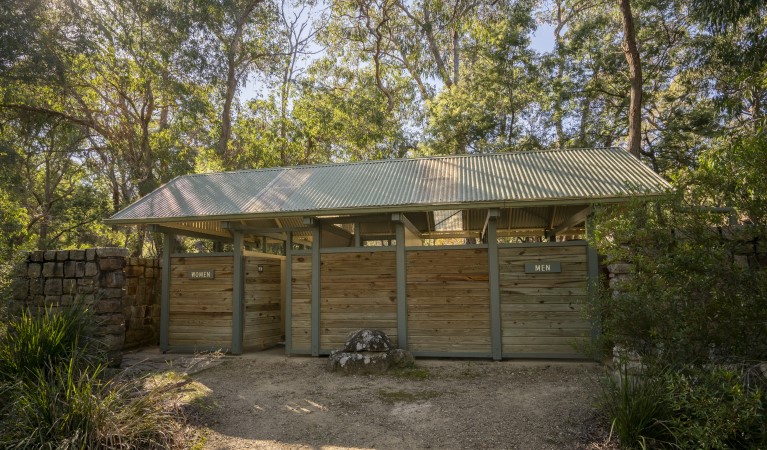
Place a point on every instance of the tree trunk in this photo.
(631, 51)
(226, 114)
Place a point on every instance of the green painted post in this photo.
(494, 281)
(316, 236)
(401, 264)
(238, 287)
(593, 274)
(165, 293)
(289, 292)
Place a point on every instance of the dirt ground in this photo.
(268, 401)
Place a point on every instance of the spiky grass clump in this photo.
(54, 393)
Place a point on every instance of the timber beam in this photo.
(189, 233)
(574, 220)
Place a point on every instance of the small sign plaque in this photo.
(543, 267)
(202, 274)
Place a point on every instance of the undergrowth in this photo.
(55, 394)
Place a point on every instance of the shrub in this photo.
(635, 406)
(54, 392)
(689, 300)
(34, 342)
(711, 408)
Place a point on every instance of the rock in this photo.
(368, 352)
(369, 363)
(367, 341)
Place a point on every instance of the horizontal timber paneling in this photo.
(543, 313)
(357, 290)
(201, 310)
(263, 327)
(301, 300)
(448, 301)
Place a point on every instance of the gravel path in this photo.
(268, 401)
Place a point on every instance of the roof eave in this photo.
(390, 209)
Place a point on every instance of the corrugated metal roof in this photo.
(467, 181)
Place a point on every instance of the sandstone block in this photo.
(619, 268)
(90, 254)
(49, 255)
(69, 269)
(91, 269)
(85, 282)
(77, 255)
(105, 252)
(67, 300)
(53, 269)
(52, 300)
(53, 287)
(37, 256)
(107, 305)
(34, 270)
(113, 279)
(20, 289)
(36, 286)
(110, 293)
(62, 255)
(111, 263)
(69, 286)
(79, 269)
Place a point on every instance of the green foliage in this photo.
(694, 408)
(55, 394)
(689, 299)
(635, 406)
(712, 408)
(74, 407)
(34, 343)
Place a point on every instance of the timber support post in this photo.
(593, 275)
(401, 268)
(288, 293)
(238, 289)
(167, 239)
(494, 280)
(315, 305)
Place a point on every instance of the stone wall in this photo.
(141, 304)
(121, 292)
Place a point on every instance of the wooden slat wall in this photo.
(542, 313)
(301, 304)
(263, 326)
(448, 301)
(201, 310)
(358, 290)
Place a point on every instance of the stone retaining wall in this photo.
(121, 292)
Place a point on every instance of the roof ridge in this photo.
(390, 160)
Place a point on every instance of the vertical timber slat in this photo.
(316, 236)
(401, 264)
(494, 280)
(288, 283)
(238, 286)
(165, 293)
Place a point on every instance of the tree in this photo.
(241, 39)
(631, 51)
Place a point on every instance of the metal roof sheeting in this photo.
(500, 179)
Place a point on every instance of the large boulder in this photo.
(368, 352)
(369, 363)
(367, 341)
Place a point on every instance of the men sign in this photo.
(543, 267)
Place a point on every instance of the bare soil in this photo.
(266, 400)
